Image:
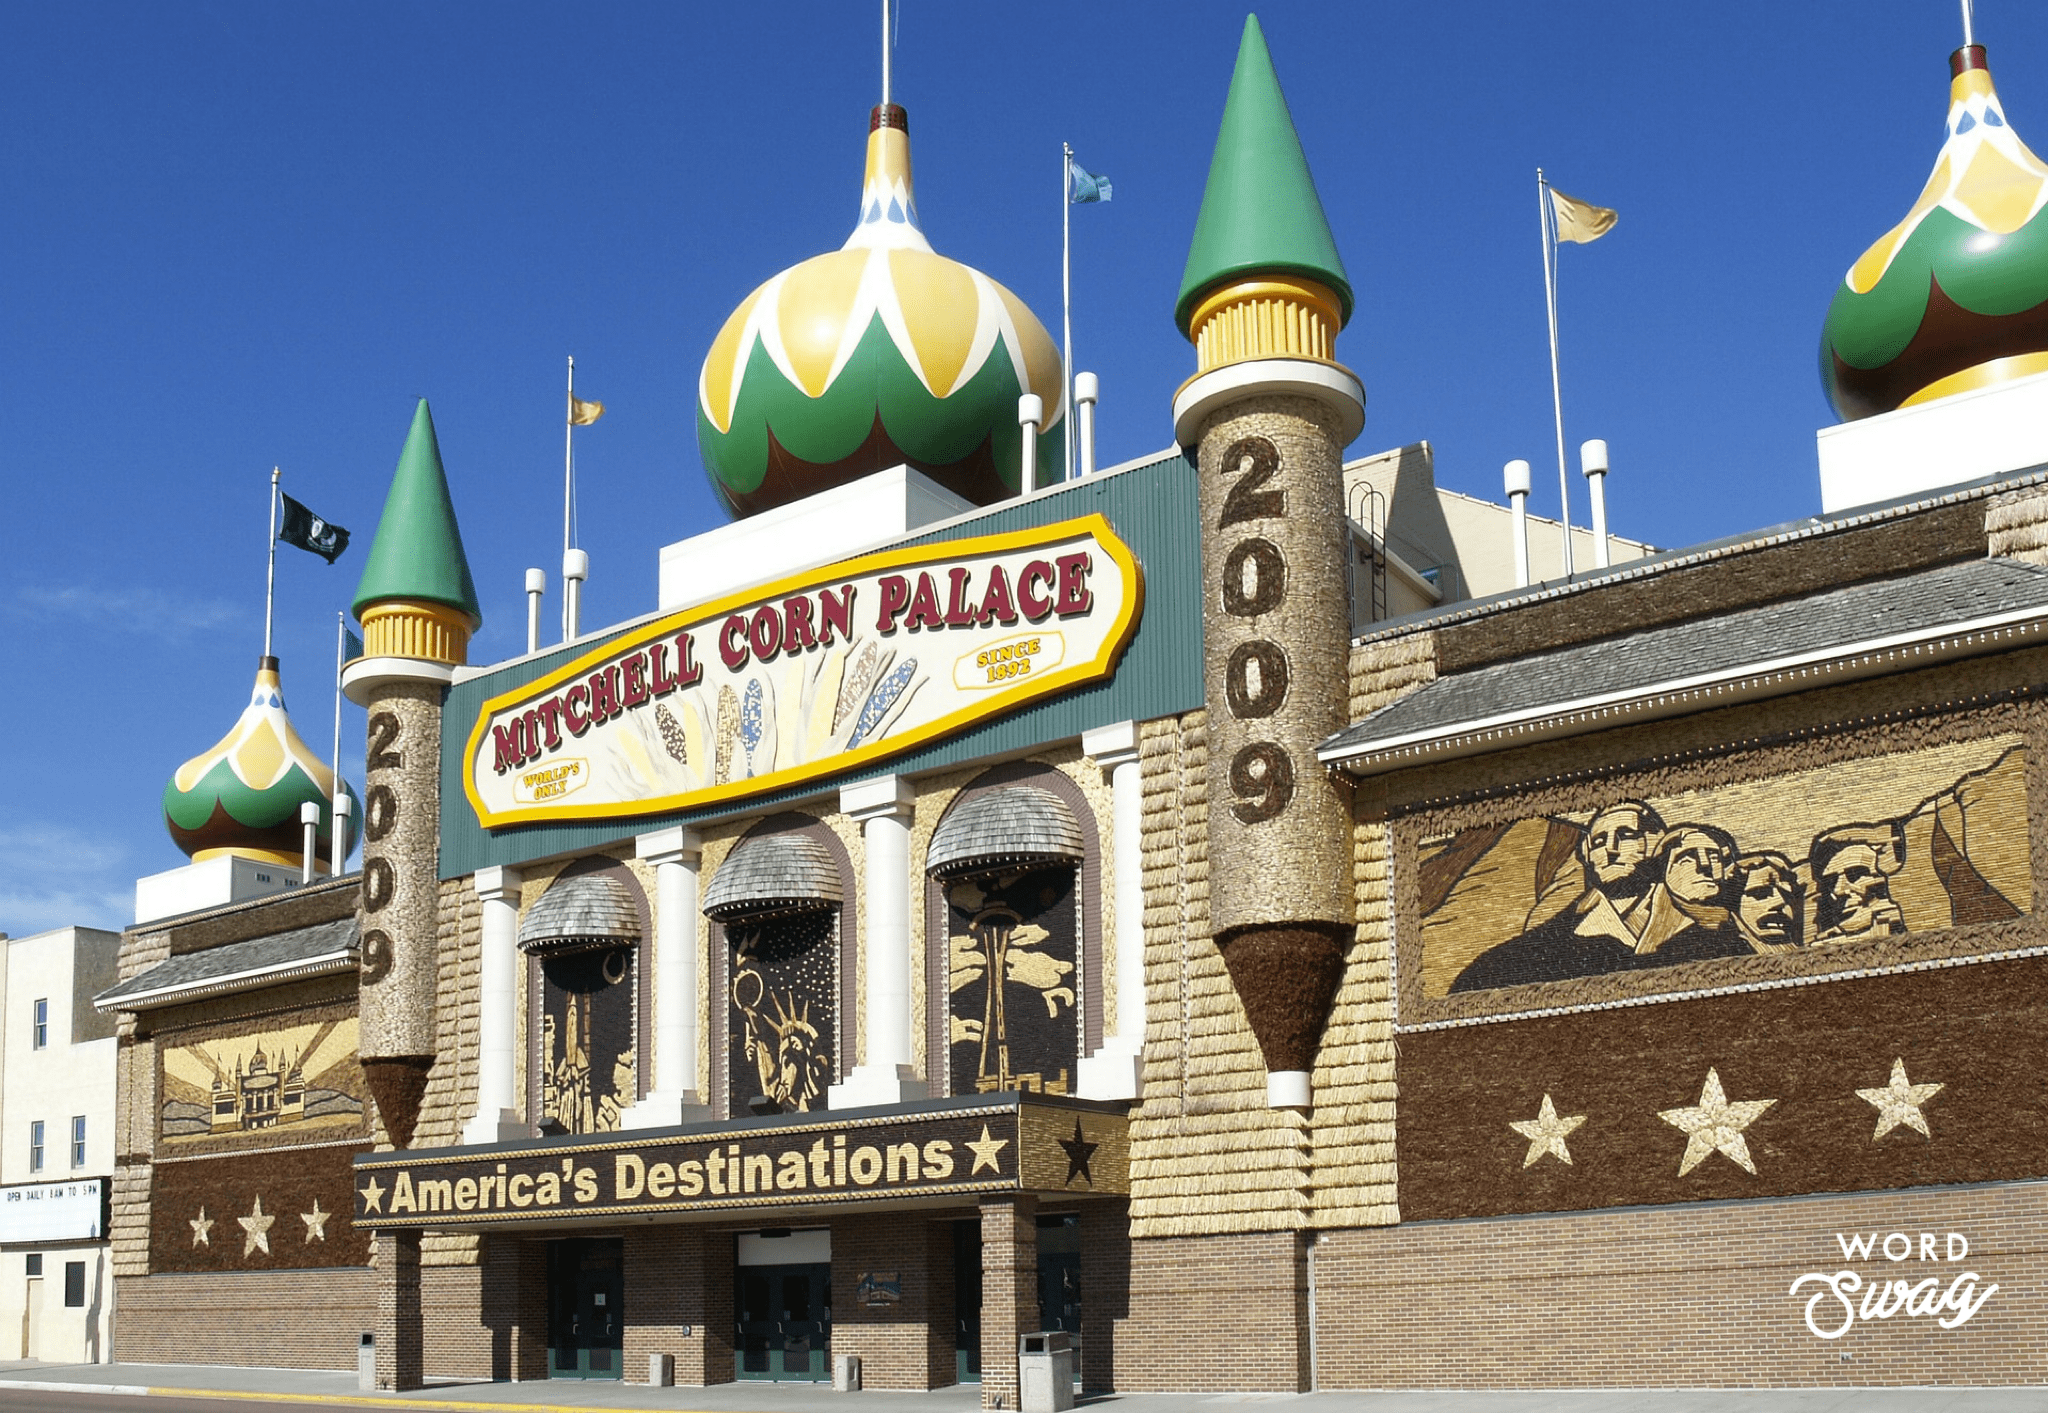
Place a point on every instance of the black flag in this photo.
(309, 532)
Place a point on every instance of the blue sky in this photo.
(237, 235)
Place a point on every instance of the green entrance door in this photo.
(784, 1322)
(586, 1308)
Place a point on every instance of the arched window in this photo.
(783, 902)
(585, 1025)
(1013, 935)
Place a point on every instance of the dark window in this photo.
(78, 1140)
(35, 1146)
(42, 1036)
(74, 1283)
(35, 1263)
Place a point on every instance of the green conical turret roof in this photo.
(418, 550)
(1260, 211)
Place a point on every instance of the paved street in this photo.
(114, 1388)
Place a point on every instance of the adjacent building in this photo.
(56, 1146)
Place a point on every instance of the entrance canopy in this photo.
(776, 1166)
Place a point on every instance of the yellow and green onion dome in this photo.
(242, 797)
(1955, 296)
(877, 354)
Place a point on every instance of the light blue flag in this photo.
(1087, 186)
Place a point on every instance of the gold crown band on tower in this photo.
(416, 628)
(1276, 316)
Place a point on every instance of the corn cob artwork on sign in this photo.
(816, 674)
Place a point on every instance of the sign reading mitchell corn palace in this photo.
(813, 676)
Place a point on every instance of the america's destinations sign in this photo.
(816, 674)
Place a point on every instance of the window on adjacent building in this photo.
(35, 1263)
(35, 1146)
(74, 1283)
(42, 1024)
(78, 1140)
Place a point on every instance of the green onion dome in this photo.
(1955, 296)
(877, 354)
(242, 797)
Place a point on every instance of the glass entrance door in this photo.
(586, 1308)
(785, 1322)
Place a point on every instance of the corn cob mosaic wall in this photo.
(287, 1080)
(1012, 963)
(1636, 893)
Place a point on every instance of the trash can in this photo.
(366, 1363)
(846, 1373)
(661, 1370)
(1045, 1372)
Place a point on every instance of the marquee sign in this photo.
(817, 674)
(54, 1211)
(1018, 1143)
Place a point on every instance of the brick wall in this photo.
(677, 1278)
(1009, 1289)
(1677, 1297)
(272, 1319)
(1214, 1314)
(1105, 1289)
(908, 1345)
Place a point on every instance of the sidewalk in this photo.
(335, 1387)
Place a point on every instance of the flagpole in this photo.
(270, 583)
(568, 452)
(1067, 304)
(339, 841)
(1545, 215)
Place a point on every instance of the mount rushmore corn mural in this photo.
(1812, 861)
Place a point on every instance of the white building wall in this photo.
(70, 1075)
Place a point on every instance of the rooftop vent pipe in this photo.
(1516, 475)
(1030, 414)
(1087, 392)
(1593, 461)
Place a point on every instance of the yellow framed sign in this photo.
(814, 675)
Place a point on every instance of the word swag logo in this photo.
(1846, 1297)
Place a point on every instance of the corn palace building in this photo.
(976, 902)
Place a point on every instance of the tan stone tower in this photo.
(418, 607)
(1270, 413)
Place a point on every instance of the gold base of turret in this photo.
(415, 628)
(1274, 316)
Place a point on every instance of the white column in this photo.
(673, 1097)
(496, 1119)
(1115, 1070)
(883, 808)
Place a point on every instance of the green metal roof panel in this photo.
(418, 550)
(1152, 507)
(1260, 211)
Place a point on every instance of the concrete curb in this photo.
(44, 1386)
(343, 1399)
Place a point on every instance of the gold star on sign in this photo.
(373, 1197)
(1899, 1102)
(985, 1152)
(1715, 1126)
(1079, 1152)
(316, 1223)
(202, 1229)
(1547, 1132)
(256, 1227)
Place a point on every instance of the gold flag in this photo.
(1579, 221)
(582, 414)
